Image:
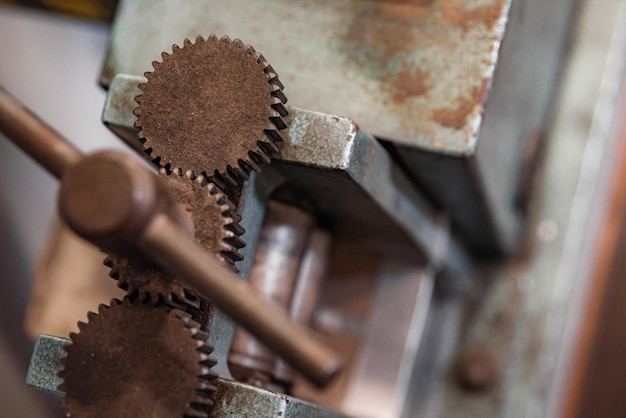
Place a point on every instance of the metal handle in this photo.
(113, 201)
(35, 138)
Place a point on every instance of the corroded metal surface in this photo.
(231, 398)
(214, 107)
(409, 71)
(130, 346)
(45, 363)
(216, 228)
(336, 164)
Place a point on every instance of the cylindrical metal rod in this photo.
(313, 269)
(167, 245)
(283, 239)
(34, 137)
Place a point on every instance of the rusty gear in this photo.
(137, 360)
(213, 107)
(216, 228)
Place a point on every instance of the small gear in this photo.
(216, 228)
(137, 360)
(214, 107)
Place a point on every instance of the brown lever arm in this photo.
(116, 203)
(35, 138)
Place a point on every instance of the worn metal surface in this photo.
(211, 106)
(45, 363)
(447, 82)
(274, 274)
(338, 167)
(111, 200)
(379, 385)
(232, 398)
(530, 318)
(118, 115)
(414, 73)
(125, 347)
(215, 228)
(482, 188)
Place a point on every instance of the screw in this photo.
(476, 370)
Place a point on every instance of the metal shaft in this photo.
(273, 274)
(114, 202)
(35, 138)
(166, 244)
(306, 291)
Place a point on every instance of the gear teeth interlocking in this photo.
(219, 132)
(217, 229)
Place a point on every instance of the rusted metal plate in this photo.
(413, 73)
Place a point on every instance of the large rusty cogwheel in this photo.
(216, 228)
(135, 360)
(213, 107)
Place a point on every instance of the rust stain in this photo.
(381, 34)
(456, 14)
(373, 151)
(408, 85)
(457, 117)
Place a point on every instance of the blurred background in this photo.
(51, 61)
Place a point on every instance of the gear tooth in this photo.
(205, 348)
(267, 150)
(236, 229)
(200, 403)
(225, 39)
(157, 64)
(194, 413)
(182, 315)
(260, 159)
(248, 166)
(205, 390)
(186, 43)
(108, 261)
(207, 374)
(91, 315)
(236, 175)
(278, 122)
(237, 43)
(208, 361)
(148, 75)
(273, 136)
(274, 81)
(175, 48)
(195, 326)
(198, 335)
(280, 108)
(231, 255)
(260, 59)
(235, 241)
(199, 39)
(212, 37)
(250, 50)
